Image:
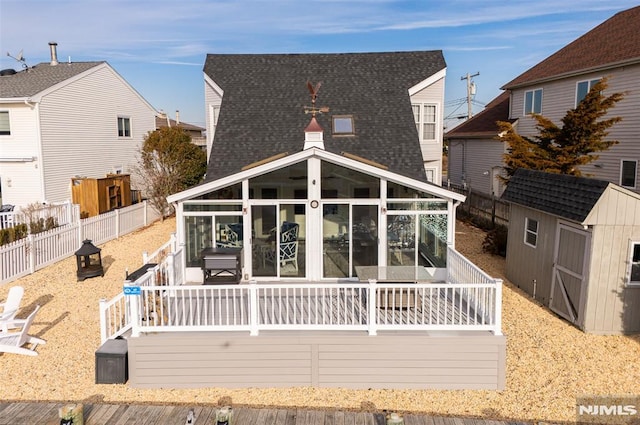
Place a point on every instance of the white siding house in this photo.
(65, 120)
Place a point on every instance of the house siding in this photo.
(211, 97)
(525, 263)
(612, 306)
(411, 360)
(80, 132)
(470, 159)
(21, 181)
(432, 151)
(559, 97)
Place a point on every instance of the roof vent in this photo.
(8, 71)
(53, 46)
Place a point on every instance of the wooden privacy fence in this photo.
(481, 205)
(36, 251)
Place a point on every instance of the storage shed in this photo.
(574, 245)
(99, 195)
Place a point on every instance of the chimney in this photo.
(54, 53)
(313, 135)
(177, 117)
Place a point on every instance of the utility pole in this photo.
(471, 91)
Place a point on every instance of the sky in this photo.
(159, 46)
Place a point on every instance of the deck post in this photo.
(372, 306)
(174, 242)
(498, 308)
(135, 314)
(103, 320)
(253, 307)
(171, 271)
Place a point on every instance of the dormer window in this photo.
(343, 125)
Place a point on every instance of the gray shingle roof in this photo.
(32, 81)
(565, 196)
(262, 111)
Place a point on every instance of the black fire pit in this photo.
(89, 261)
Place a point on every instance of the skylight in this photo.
(343, 125)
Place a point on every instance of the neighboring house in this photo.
(327, 257)
(574, 245)
(475, 152)
(552, 88)
(197, 133)
(558, 83)
(65, 120)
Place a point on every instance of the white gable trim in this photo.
(429, 81)
(213, 85)
(323, 155)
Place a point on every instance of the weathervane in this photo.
(314, 94)
(20, 58)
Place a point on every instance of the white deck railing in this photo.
(313, 306)
(115, 314)
(469, 300)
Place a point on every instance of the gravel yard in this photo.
(549, 362)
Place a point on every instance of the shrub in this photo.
(12, 234)
(495, 242)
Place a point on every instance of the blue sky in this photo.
(159, 46)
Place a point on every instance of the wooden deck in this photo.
(113, 414)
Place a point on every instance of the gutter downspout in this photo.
(40, 168)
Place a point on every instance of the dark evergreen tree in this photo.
(564, 149)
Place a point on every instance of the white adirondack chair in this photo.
(10, 308)
(13, 341)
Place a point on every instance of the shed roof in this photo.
(562, 195)
(38, 78)
(262, 112)
(483, 125)
(614, 42)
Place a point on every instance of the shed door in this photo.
(568, 285)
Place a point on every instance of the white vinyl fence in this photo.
(34, 252)
(64, 213)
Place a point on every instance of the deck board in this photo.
(29, 413)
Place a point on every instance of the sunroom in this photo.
(317, 216)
